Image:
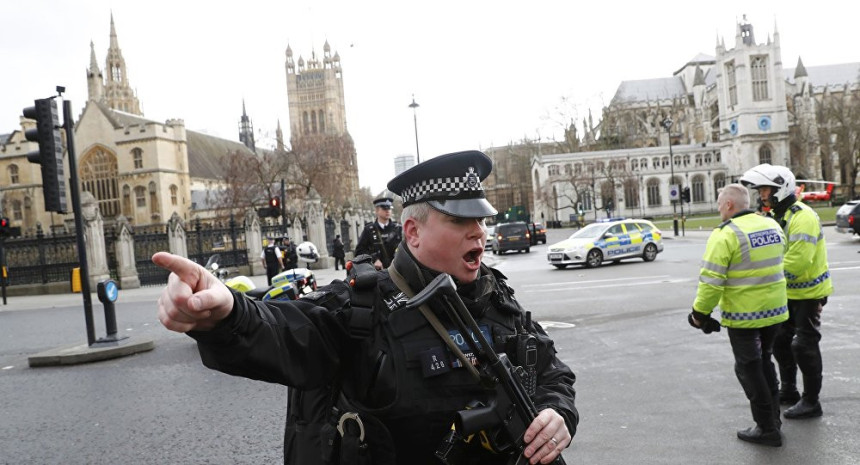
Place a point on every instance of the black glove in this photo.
(707, 324)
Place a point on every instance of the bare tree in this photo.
(327, 165)
(839, 114)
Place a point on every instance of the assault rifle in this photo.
(510, 411)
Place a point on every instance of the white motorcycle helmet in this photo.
(778, 177)
(307, 252)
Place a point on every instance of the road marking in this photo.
(567, 283)
(9, 367)
(556, 324)
(641, 283)
(846, 268)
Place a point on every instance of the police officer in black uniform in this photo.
(371, 381)
(271, 258)
(380, 238)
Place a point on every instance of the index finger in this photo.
(186, 270)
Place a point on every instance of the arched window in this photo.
(586, 201)
(137, 156)
(698, 159)
(321, 119)
(552, 170)
(607, 193)
(577, 168)
(13, 174)
(99, 177)
(631, 192)
(537, 181)
(655, 163)
(601, 166)
(758, 71)
(634, 165)
(764, 154)
(719, 183)
(644, 163)
(173, 194)
(126, 201)
(313, 122)
(306, 124)
(665, 162)
(17, 213)
(698, 190)
(686, 160)
(567, 169)
(653, 192)
(140, 196)
(708, 158)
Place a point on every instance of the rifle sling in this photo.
(431, 318)
(379, 241)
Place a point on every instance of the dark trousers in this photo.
(341, 261)
(796, 346)
(754, 368)
(271, 272)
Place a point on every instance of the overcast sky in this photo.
(484, 73)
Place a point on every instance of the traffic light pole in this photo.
(69, 126)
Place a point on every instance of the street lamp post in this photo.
(414, 106)
(667, 123)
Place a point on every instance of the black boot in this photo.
(804, 409)
(808, 407)
(788, 394)
(756, 435)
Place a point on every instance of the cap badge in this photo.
(472, 181)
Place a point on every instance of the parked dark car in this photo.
(848, 218)
(512, 236)
(538, 233)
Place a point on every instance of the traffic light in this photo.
(685, 194)
(50, 154)
(4, 227)
(275, 207)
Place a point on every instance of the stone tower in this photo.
(318, 117)
(315, 94)
(753, 111)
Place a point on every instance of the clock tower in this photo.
(752, 105)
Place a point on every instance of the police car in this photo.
(614, 239)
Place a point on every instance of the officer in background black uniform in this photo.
(271, 258)
(290, 256)
(397, 382)
(380, 238)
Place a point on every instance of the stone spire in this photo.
(95, 78)
(118, 93)
(279, 137)
(246, 130)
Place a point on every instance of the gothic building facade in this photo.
(701, 128)
(141, 169)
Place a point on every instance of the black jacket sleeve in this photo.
(295, 343)
(555, 382)
(365, 244)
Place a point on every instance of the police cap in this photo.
(384, 202)
(449, 183)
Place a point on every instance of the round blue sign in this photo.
(111, 291)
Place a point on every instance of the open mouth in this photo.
(473, 257)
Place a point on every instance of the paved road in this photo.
(650, 389)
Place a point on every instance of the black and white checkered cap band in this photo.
(465, 187)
